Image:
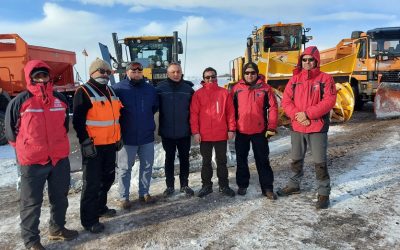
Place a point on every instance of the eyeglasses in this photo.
(139, 70)
(250, 73)
(308, 59)
(210, 77)
(103, 71)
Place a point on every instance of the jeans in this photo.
(126, 160)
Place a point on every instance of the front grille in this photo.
(390, 76)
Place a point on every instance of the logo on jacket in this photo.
(316, 87)
(57, 103)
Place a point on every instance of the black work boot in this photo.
(187, 190)
(205, 190)
(96, 228)
(169, 191)
(242, 191)
(322, 202)
(227, 191)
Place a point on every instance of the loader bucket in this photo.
(387, 100)
(344, 107)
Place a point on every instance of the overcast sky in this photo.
(217, 30)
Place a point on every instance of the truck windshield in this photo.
(150, 53)
(391, 46)
(282, 38)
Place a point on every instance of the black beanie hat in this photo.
(250, 65)
(36, 71)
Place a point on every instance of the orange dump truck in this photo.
(14, 54)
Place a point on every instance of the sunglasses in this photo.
(136, 67)
(308, 59)
(210, 77)
(250, 73)
(103, 71)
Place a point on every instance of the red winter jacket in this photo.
(255, 105)
(312, 92)
(37, 122)
(212, 113)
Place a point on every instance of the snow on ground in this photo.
(364, 214)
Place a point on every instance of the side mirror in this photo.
(180, 47)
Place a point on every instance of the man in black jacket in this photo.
(174, 128)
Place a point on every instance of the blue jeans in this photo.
(126, 160)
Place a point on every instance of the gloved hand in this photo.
(270, 133)
(119, 144)
(88, 149)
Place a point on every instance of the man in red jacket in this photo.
(212, 121)
(256, 114)
(307, 100)
(37, 126)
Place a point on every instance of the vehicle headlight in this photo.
(158, 63)
(166, 63)
(115, 65)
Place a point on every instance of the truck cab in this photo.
(155, 53)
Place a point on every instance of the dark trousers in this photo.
(170, 146)
(220, 156)
(261, 155)
(98, 176)
(33, 179)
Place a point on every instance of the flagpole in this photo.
(85, 71)
(85, 54)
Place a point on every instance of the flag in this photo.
(84, 52)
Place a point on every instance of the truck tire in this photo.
(3, 139)
(359, 103)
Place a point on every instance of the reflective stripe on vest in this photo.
(102, 120)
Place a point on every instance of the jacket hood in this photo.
(41, 90)
(312, 51)
(29, 67)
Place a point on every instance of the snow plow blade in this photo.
(387, 100)
(344, 107)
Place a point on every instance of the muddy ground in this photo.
(363, 218)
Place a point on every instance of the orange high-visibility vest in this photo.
(102, 120)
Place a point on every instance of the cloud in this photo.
(138, 9)
(353, 15)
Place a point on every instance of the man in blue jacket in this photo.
(140, 102)
(175, 95)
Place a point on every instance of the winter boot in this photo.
(205, 190)
(169, 191)
(269, 194)
(187, 190)
(63, 234)
(323, 202)
(288, 191)
(227, 191)
(242, 191)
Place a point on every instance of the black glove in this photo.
(270, 133)
(88, 149)
(119, 144)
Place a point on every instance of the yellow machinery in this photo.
(155, 53)
(276, 48)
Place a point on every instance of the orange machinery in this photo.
(14, 54)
